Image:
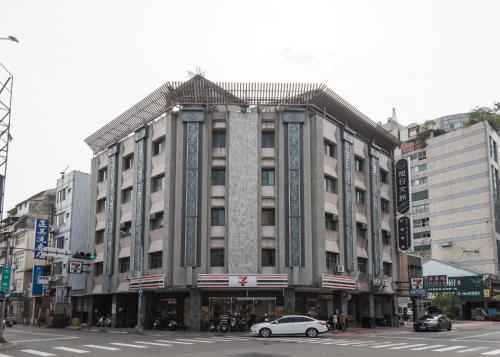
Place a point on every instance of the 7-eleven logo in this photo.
(243, 280)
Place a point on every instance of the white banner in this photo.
(242, 281)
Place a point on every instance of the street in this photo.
(467, 339)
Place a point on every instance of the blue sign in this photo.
(41, 237)
(37, 289)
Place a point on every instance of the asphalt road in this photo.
(474, 339)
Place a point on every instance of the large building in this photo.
(18, 232)
(250, 198)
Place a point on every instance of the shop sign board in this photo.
(36, 287)
(242, 281)
(467, 288)
(75, 267)
(43, 279)
(402, 186)
(338, 282)
(41, 238)
(148, 282)
(417, 287)
(434, 281)
(404, 233)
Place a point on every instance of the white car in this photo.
(290, 325)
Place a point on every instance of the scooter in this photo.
(173, 325)
(223, 322)
(157, 323)
(104, 322)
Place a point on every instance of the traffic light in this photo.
(84, 255)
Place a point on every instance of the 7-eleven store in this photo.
(254, 297)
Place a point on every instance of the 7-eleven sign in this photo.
(242, 281)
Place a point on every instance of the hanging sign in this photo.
(402, 186)
(404, 233)
(41, 238)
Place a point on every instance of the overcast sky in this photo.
(79, 64)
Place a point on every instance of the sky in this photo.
(79, 64)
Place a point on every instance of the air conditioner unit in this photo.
(335, 217)
(339, 269)
(364, 226)
(377, 282)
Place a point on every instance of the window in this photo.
(330, 184)
(61, 219)
(360, 230)
(413, 131)
(128, 161)
(59, 243)
(267, 177)
(331, 224)
(420, 208)
(387, 269)
(99, 237)
(101, 205)
(419, 168)
(218, 177)
(268, 217)
(418, 223)
(268, 257)
(360, 197)
(332, 260)
(158, 183)
(219, 139)
(421, 248)
(102, 174)
(420, 195)
(218, 218)
(124, 264)
(125, 228)
(57, 268)
(126, 195)
(330, 149)
(61, 195)
(157, 221)
(98, 269)
(362, 265)
(302, 319)
(414, 271)
(493, 149)
(217, 257)
(385, 205)
(158, 146)
(155, 260)
(384, 176)
(19, 262)
(360, 163)
(19, 285)
(20, 239)
(419, 181)
(418, 235)
(286, 320)
(422, 155)
(386, 237)
(268, 139)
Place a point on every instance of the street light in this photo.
(10, 38)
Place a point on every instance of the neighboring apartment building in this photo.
(70, 234)
(18, 229)
(249, 198)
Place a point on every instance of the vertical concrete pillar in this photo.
(194, 309)
(371, 298)
(114, 303)
(289, 301)
(348, 158)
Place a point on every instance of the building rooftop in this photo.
(201, 92)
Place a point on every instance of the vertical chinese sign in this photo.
(41, 238)
(403, 204)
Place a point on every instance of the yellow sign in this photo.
(486, 293)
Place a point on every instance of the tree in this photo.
(449, 304)
(479, 114)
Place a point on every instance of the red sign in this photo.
(75, 267)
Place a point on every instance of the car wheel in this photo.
(264, 332)
(311, 332)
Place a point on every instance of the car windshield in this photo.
(429, 317)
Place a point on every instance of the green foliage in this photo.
(428, 124)
(450, 305)
(479, 114)
(422, 137)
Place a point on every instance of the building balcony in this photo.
(218, 152)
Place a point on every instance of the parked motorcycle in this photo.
(223, 322)
(104, 321)
(157, 323)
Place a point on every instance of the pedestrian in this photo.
(343, 321)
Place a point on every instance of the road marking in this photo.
(2, 355)
(45, 339)
(218, 339)
(390, 345)
(178, 342)
(153, 343)
(38, 353)
(333, 342)
(353, 343)
(103, 347)
(230, 338)
(410, 346)
(127, 345)
(471, 349)
(41, 333)
(451, 348)
(74, 350)
(491, 353)
(484, 334)
(187, 340)
(427, 347)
